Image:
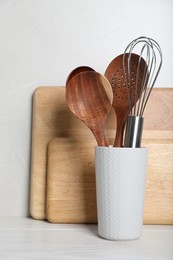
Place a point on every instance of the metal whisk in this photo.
(150, 51)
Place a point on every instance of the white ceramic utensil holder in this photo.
(120, 186)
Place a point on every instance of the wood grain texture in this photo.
(159, 189)
(77, 71)
(71, 194)
(52, 119)
(127, 90)
(89, 96)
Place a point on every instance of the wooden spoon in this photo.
(77, 71)
(89, 96)
(124, 99)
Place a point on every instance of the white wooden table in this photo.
(24, 238)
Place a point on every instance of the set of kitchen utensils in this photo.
(121, 167)
(126, 86)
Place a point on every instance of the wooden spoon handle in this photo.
(119, 136)
(100, 137)
(121, 119)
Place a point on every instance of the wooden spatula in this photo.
(89, 96)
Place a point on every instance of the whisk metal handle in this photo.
(133, 134)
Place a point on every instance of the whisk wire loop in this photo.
(146, 68)
(149, 73)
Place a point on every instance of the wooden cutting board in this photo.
(71, 193)
(52, 119)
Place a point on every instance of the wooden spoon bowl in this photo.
(77, 71)
(89, 96)
(124, 97)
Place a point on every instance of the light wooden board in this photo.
(71, 194)
(159, 189)
(52, 119)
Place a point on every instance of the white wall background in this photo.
(41, 41)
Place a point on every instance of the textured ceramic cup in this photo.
(120, 186)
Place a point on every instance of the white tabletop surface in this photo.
(24, 238)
